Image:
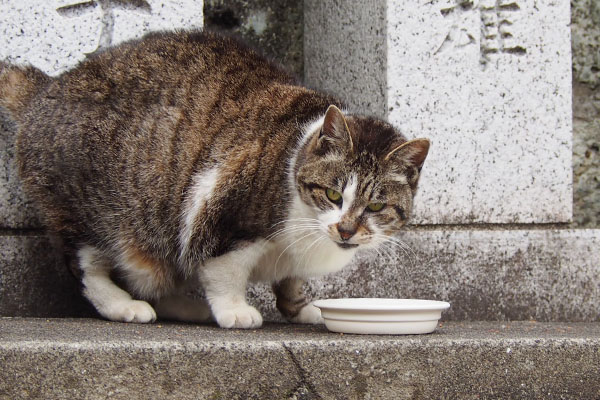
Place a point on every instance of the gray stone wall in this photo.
(276, 27)
(273, 26)
(585, 29)
(360, 73)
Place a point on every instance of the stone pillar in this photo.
(54, 36)
(488, 81)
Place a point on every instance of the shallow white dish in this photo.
(381, 316)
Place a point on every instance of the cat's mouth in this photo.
(346, 245)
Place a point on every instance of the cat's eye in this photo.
(334, 196)
(374, 207)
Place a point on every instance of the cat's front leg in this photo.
(224, 280)
(292, 303)
(110, 300)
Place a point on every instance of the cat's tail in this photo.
(18, 86)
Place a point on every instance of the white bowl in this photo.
(381, 316)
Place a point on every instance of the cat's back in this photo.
(122, 135)
(169, 92)
(177, 65)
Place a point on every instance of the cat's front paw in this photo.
(240, 316)
(129, 311)
(309, 314)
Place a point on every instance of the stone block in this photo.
(345, 51)
(586, 156)
(34, 280)
(543, 275)
(489, 82)
(55, 36)
(273, 27)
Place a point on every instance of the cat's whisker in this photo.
(397, 244)
(402, 243)
(292, 220)
(411, 255)
(392, 239)
(378, 251)
(299, 224)
(390, 245)
(320, 238)
(320, 242)
(389, 250)
(293, 243)
(292, 229)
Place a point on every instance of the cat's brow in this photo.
(368, 189)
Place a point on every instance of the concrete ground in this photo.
(96, 359)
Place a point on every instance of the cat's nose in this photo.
(346, 232)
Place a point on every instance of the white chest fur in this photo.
(300, 248)
(300, 257)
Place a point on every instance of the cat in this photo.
(185, 159)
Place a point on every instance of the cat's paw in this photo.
(309, 314)
(130, 311)
(239, 316)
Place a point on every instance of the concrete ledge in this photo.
(95, 359)
(486, 274)
(543, 275)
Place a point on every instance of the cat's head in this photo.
(358, 175)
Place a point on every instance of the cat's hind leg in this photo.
(110, 301)
(224, 279)
(292, 303)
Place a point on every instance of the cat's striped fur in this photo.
(186, 158)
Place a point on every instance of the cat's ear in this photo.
(408, 158)
(411, 154)
(334, 133)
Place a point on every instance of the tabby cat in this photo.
(185, 159)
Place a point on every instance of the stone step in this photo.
(94, 359)
(486, 274)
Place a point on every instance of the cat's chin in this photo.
(346, 246)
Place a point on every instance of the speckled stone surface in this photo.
(274, 27)
(585, 28)
(95, 359)
(56, 35)
(544, 275)
(344, 51)
(586, 155)
(34, 281)
(489, 82)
